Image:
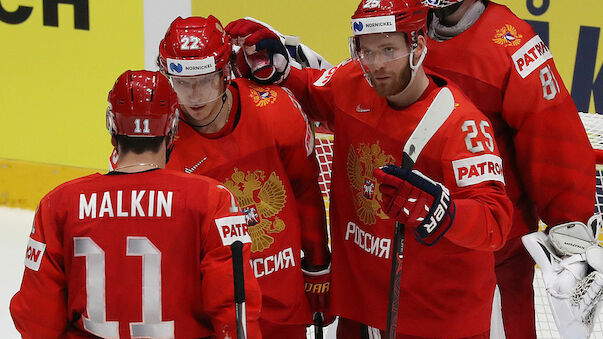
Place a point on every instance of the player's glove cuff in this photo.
(416, 201)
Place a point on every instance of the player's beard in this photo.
(395, 84)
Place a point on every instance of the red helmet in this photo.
(142, 104)
(440, 3)
(383, 16)
(194, 46)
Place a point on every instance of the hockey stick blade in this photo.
(239, 288)
(440, 109)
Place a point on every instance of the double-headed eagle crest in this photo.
(262, 96)
(261, 200)
(361, 162)
(507, 36)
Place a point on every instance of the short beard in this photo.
(400, 83)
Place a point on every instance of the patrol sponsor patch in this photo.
(262, 96)
(233, 228)
(507, 36)
(474, 170)
(530, 56)
(34, 254)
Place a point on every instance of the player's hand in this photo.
(262, 56)
(318, 286)
(416, 201)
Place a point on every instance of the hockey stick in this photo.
(239, 288)
(432, 120)
(318, 324)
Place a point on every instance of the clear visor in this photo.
(371, 54)
(200, 89)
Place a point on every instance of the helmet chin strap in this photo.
(413, 68)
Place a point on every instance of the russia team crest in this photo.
(361, 162)
(507, 36)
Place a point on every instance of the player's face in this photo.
(199, 95)
(385, 58)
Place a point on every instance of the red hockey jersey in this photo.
(509, 74)
(446, 289)
(267, 160)
(134, 255)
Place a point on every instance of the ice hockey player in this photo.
(374, 102)
(257, 141)
(508, 72)
(140, 251)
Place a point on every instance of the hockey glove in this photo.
(262, 56)
(416, 201)
(318, 286)
(565, 257)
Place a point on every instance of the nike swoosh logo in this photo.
(362, 110)
(192, 169)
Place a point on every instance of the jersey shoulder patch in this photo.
(530, 56)
(34, 254)
(478, 169)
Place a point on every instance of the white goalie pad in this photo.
(573, 295)
(575, 237)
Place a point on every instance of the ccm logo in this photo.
(440, 211)
(478, 169)
(34, 254)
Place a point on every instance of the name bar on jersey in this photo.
(530, 56)
(185, 67)
(378, 24)
(114, 204)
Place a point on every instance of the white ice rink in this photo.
(15, 225)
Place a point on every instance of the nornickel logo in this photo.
(358, 26)
(175, 67)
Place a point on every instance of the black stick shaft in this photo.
(239, 287)
(393, 301)
(394, 282)
(318, 324)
